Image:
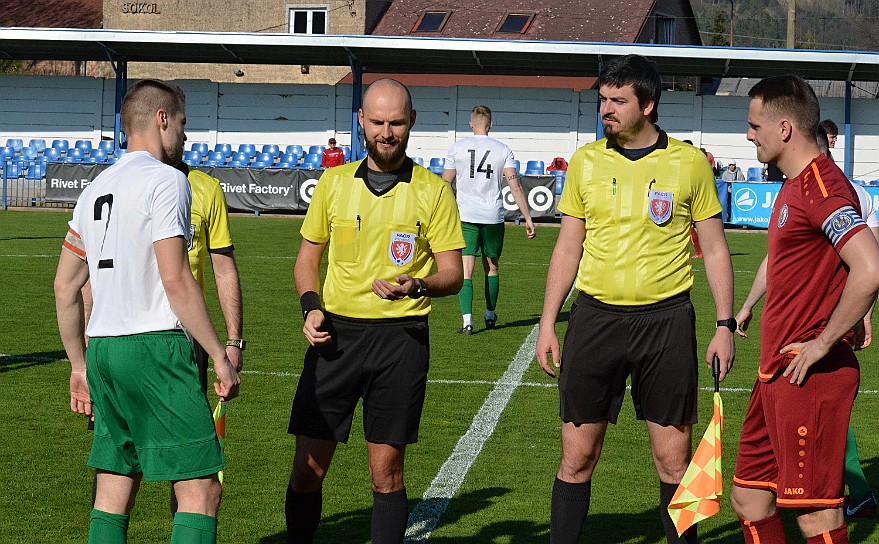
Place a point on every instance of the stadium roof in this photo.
(391, 54)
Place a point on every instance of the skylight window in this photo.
(515, 23)
(431, 21)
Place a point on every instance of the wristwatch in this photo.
(420, 289)
(728, 323)
(240, 343)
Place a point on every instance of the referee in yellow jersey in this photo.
(627, 206)
(386, 222)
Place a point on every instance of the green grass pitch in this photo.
(45, 486)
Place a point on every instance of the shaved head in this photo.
(389, 89)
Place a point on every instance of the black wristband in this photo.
(309, 301)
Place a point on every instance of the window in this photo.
(666, 29)
(431, 21)
(308, 21)
(515, 23)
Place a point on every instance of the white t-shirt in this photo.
(479, 163)
(868, 211)
(128, 207)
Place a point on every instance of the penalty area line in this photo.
(424, 518)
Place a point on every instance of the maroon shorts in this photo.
(793, 437)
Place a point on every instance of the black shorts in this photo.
(654, 343)
(383, 361)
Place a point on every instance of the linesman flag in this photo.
(698, 495)
(220, 425)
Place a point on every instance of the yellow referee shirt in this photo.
(210, 222)
(638, 216)
(380, 236)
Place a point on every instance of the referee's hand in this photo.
(405, 286)
(313, 323)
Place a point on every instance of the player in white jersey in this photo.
(478, 164)
(128, 236)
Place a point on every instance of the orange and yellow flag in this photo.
(698, 495)
(220, 425)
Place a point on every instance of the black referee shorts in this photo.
(382, 361)
(605, 344)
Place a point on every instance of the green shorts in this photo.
(483, 239)
(151, 414)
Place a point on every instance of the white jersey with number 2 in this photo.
(128, 207)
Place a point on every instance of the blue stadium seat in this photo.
(119, 152)
(90, 160)
(12, 170)
(61, 145)
(318, 149)
(38, 143)
(241, 156)
(259, 164)
(518, 166)
(418, 160)
(312, 158)
(85, 146)
(6, 153)
(272, 149)
(76, 154)
(286, 164)
(192, 157)
(559, 180)
(225, 149)
(28, 153)
(295, 150)
(438, 170)
(755, 173)
(248, 149)
(69, 160)
(99, 154)
(236, 164)
(15, 143)
(200, 147)
(217, 156)
(107, 146)
(347, 151)
(209, 163)
(535, 166)
(265, 157)
(36, 171)
(111, 160)
(52, 154)
(438, 161)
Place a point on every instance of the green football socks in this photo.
(492, 289)
(465, 297)
(106, 528)
(857, 484)
(192, 528)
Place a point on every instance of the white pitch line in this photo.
(41, 359)
(424, 518)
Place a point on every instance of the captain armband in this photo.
(73, 244)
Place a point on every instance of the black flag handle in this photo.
(715, 371)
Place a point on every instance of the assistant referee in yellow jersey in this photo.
(627, 206)
(387, 222)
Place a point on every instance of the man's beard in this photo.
(624, 134)
(387, 161)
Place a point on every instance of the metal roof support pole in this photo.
(121, 69)
(848, 152)
(599, 129)
(356, 103)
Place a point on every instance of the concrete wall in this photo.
(538, 124)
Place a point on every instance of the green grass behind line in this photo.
(505, 498)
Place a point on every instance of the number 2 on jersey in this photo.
(99, 215)
(483, 168)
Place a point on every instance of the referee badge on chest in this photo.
(659, 206)
(401, 248)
